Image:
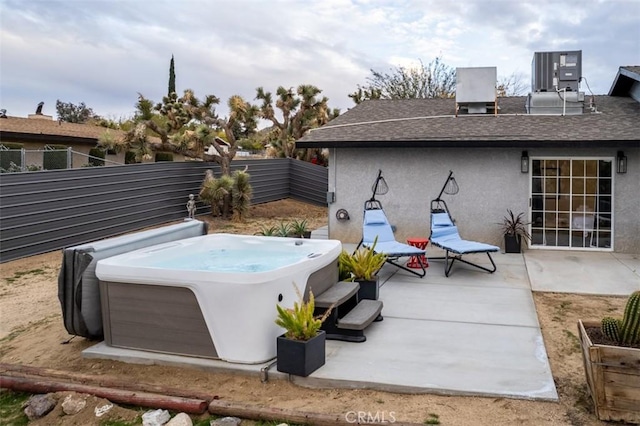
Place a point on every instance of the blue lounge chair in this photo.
(444, 234)
(375, 224)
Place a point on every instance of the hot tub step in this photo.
(337, 294)
(361, 316)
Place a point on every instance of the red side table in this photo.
(414, 261)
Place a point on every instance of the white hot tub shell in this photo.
(176, 298)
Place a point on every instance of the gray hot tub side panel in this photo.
(78, 289)
(155, 318)
(167, 319)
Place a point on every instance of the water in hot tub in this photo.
(236, 260)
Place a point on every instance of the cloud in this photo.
(104, 52)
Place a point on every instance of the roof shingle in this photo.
(46, 127)
(433, 120)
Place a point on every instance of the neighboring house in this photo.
(562, 171)
(39, 131)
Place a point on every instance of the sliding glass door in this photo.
(571, 203)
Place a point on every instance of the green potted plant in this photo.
(514, 228)
(611, 356)
(301, 349)
(362, 266)
(300, 229)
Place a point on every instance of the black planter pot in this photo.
(512, 243)
(368, 289)
(301, 357)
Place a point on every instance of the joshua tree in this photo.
(188, 126)
(227, 194)
(301, 111)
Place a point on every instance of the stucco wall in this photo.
(490, 182)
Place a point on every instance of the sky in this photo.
(105, 52)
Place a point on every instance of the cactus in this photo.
(611, 328)
(630, 328)
(627, 330)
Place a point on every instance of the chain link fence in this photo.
(49, 158)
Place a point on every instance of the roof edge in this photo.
(474, 144)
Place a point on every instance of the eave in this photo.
(563, 143)
(44, 138)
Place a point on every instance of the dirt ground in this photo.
(32, 333)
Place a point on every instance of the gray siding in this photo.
(50, 210)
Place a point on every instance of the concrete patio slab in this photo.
(583, 272)
(445, 357)
(466, 304)
(473, 333)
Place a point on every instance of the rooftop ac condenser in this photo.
(553, 71)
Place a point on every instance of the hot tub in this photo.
(212, 296)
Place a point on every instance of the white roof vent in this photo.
(476, 90)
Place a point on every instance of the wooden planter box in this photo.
(613, 377)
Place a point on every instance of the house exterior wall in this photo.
(490, 182)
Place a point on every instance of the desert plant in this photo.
(267, 231)
(284, 229)
(240, 194)
(363, 263)
(515, 225)
(627, 330)
(299, 228)
(216, 192)
(611, 328)
(299, 321)
(344, 266)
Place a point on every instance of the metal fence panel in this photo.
(49, 210)
(308, 182)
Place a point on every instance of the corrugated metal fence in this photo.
(50, 210)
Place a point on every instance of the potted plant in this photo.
(301, 349)
(299, 228)
(514, 228)
(611, 356)
(362, 266)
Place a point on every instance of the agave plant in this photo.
(267, 231)
(299, 228)
(284, 229)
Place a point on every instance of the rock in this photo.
(155, 418)
(181, 419)
(39, 405)
(226, 421)
(73, 404)
(102, 409)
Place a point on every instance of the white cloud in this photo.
(103, 52)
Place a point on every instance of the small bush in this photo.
(164, 156)
(96, 157)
